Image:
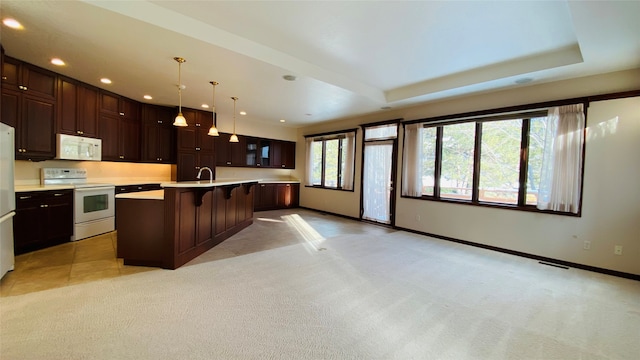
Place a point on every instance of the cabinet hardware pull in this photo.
(44, 205)
(159, 121)
(121, 156)
(228, 162)
(197, 149)
(283, 165)
(58, 194)
(197, 167)
(121, 114)
(197, 124)
(25, 197)
(81, 132)
(4, 78)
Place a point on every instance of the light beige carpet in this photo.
(365, 295)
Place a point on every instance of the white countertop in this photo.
(147, 195)
(25, 188)
(207, 183)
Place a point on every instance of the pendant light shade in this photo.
(180, 120)
(213, 131)
(234, 137)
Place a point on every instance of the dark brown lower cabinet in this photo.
(273, 196)
(43, 219)
(187, 222)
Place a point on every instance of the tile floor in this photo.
(66, 264)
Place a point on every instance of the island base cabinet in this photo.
(187, 222)
(140, 232)
(193, 229)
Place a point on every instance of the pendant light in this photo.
(234, 137)
(213, 131)
(180, 120)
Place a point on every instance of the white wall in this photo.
(611, 208)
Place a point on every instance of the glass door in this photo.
(378, 173)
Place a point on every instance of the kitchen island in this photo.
(168, 228)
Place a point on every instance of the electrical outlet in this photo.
(586, 245)
(617, 250)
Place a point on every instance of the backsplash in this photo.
(28, 172)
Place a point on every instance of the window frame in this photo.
(526, 113)
(323, 138)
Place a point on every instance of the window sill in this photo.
(326, 188)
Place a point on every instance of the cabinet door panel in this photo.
(39, 82)
(186, 139)
(150, 140)
(10, 73)
(109, 104)
(60, 217)
(208, 160)
(166, 144)
(288, 156)
(187, 234)
(67, 107)
(223, 156)
(37, 127)
(276, 154)
(10, 108)
(129, 109)
(26, 235)
(186, 167)
(130, 139)
(220, 211)
(231, 209)
(205, 219)
(108, 131)
(88, 111)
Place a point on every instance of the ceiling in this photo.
(350, 58)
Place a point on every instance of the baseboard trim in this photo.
(530, 256)
(330, 213)
(498, 249)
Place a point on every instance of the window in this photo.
(331, 160)
(494, 160)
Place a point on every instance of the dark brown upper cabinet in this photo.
(28, 79)
(158, 134)
(28, 104)
(77, 108)
(195, 147)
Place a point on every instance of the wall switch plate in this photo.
(586, 245)
(617, 250)
(417, 217)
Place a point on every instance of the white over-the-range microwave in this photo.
(70, 147)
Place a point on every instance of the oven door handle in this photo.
(99, 188)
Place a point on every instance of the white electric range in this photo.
(94, 203)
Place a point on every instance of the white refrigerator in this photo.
(7, 198)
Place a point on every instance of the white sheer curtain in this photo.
(561, 175)
(349, 150)
(411, 171)
(309, 163)
(376, 186)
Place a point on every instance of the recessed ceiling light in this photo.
(243, 113)
(105, 81)
(289, 77)
(524, 80)
(283, 120)
(148, 97)
(385, 108)
(57, 61)
(12, 23)
(205, 106)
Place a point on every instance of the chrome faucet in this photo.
(210, 173)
